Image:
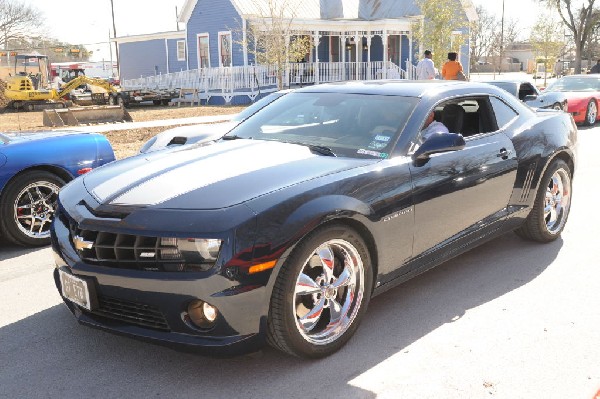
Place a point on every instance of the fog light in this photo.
(202, 314)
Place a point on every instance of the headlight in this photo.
(196, 253)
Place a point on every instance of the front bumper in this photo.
(152, 306)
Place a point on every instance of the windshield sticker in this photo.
(382, 138)
(376, 145)
(382, 155)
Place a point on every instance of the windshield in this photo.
(355, 125)
(508, 86)
(251, 109)
(575, 83)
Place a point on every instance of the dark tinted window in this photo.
(503, 113)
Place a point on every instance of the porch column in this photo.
(410, 52)
(343, 39)
(316, 67)
(369, 36)
(244, 40)
(384, 41)
(356, 44)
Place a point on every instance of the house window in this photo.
(334, 47)
(180, 50)
(203, 51)
(225, 48)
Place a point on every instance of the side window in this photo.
(503, 113)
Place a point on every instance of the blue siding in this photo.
(324, 49)
(213, 17)
(404, 51)
(376, 48)
(145, 58)
(174, 64)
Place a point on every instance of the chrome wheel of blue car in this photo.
(28, 207)
(321, 293)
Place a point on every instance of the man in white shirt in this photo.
(425, 67)
(432, 127)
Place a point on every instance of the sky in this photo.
(524, 12)
(88, 22)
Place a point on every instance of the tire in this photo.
(118, 100)
(591, 113)
(557, 107)
(165, 101)
(301, 321)
(156, 102)
(29, 107)
(27, 207)
(550, 211)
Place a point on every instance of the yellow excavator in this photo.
(30, 90)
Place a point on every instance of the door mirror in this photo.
(440, 142)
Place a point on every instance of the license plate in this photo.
(76, 290)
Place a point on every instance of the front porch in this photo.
(242, 84)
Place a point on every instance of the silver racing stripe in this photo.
(203, 172)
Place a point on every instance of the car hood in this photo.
(574, 95)
(212, 176)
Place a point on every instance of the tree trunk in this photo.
(578, 47)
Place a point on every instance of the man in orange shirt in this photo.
(451, 67)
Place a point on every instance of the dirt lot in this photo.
(124, 142)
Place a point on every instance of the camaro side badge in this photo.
(396, 214)
(81, 244)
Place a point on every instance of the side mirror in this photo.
(530, 97)
(436, 143)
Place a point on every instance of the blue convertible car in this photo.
(33, 167)
(284, 229)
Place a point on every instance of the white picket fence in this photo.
(227, 82)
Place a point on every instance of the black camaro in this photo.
(284, 229)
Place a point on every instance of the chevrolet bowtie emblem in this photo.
(81, 244)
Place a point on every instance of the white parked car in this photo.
(185, 135)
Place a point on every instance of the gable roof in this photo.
(331, 9)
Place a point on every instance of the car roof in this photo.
(409, 88)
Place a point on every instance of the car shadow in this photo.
(64, 359)
(10, 251)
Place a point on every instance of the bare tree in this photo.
(483, 33)
(580, 17)
(437, 29)
(271, 36)
(18, 20)
(546, 41)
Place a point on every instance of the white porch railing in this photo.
(228, 82)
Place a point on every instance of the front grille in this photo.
(131, 312)
(126, 251)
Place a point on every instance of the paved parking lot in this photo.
(511, 319)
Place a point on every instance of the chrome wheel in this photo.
(328, 292)
(557, 201)
(34, 208)
(591, 114)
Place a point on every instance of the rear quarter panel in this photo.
(538, 140)
(67, 153)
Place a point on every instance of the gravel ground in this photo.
(125, 142)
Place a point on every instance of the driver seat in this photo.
(453, 116)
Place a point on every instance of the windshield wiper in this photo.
(321, 149)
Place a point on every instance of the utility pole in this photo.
(112, 9)
(501, 38)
